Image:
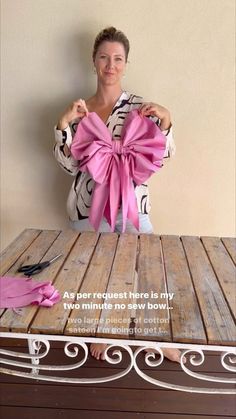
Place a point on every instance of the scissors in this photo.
(37, 267)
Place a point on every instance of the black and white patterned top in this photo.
(79, 199)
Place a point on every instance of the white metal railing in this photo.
(39, 347)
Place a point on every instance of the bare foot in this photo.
(97, 350)
(172, 354)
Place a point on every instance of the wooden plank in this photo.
(9, 256)
(230, 244)
(11, 321)
(224, 269)
(83, 320)
(115, 321)
(151, 323)
(186, 321)
(216, 315)
(131, 400)
(10, 412)
(62, 245)
(68, 281)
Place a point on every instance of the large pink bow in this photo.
(115, 164)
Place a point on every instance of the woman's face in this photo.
(110, 62)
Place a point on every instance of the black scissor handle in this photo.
(33, 269)
(25, 268)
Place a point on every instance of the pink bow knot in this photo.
(116, 164)
(117, 147)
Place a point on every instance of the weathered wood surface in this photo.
(153, 322)
(219, 324)
(230, 244)
(121, 283)
(16, 248)
(224, 269)
(199, 273)
(95, 281)
(68, 280)
(186, 320)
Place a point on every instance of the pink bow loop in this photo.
(116, 164)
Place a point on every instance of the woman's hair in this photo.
(111, 34)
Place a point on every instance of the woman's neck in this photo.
(107, 95)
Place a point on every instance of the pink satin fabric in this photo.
(115, 164)
(19, 292)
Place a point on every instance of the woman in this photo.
(112, 104)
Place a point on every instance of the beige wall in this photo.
(182, 56)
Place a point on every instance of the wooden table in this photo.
(128, 291)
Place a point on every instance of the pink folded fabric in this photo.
(115, 164)
(19, 292)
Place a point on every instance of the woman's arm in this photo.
(153, 109)
(61, 150)
(162, 118)
(63, 136)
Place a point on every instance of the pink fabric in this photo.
(115, 164)
(20, 292)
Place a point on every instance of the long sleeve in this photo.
(67, 163)
(170, 144)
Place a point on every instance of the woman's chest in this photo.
(103, 113)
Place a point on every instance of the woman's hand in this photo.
(152, 109)
(77, 109)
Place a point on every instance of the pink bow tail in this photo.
(100, 197)
(129, 202)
